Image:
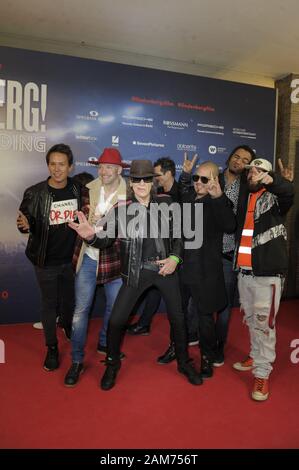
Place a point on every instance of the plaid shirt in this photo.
(109, 258)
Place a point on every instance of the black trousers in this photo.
(152, 302)
(56, 285)
(206, 323)
(125, 301)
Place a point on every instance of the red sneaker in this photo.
(260, 390)
(247, 364)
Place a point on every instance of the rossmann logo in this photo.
(176, 124)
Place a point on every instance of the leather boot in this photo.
(110, 374)
(206, 368)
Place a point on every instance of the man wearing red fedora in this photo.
(94, 266)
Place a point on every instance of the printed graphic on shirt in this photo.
(63, 211)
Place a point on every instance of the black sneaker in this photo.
(110, 374)
(136, 329)
(206, 370)
(73, 374)
(103, 350)
(168, 356)
(219, 356)
(52, 358)
(191, 373)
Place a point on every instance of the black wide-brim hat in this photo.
(142, 169)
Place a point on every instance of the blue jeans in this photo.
(85, 286)
(223, 316)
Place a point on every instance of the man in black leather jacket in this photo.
(146, 260)
(44, 213)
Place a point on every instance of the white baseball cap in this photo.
(260, 163)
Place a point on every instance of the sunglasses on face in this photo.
(203, 179)
(145, 179)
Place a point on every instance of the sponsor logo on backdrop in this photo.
(186, 147)
(86, 138)
(204, 128)
(115, 140)
(212, 149)
(243, 133)
(137, 121)
(92, 115)
(26, 110)
(178, 125)
(148, 144)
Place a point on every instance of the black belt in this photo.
(246, 272)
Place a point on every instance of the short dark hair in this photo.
(243, 147)
(166, 164)
(61, 148)
(83, 178)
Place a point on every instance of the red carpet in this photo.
(152, 406)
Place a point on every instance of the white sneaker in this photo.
(38, 325)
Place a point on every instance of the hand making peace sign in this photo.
(189, 164)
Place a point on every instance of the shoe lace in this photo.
(259, 384)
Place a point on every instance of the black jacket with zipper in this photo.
(131, 244)
(36, 205)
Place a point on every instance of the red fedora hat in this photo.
(111, 156)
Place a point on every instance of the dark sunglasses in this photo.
(203, 179)
(146, 179)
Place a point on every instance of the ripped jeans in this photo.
(260, 298)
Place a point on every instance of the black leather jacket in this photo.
(36, 205)
(131, 246)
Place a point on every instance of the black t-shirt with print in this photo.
(61, 238)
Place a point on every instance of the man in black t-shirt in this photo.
(45, 211)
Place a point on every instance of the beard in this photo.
(254, 187)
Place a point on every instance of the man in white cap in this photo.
(261, 258)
